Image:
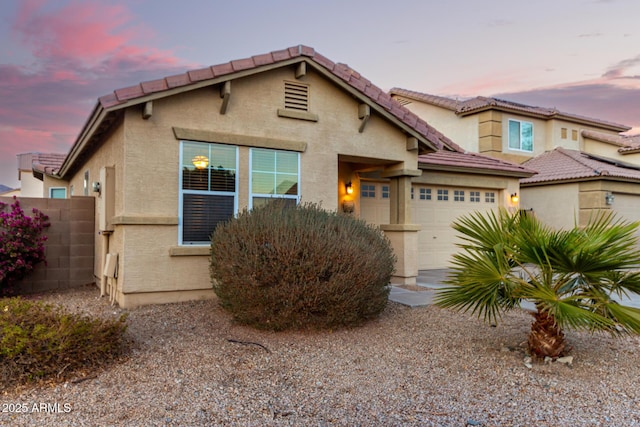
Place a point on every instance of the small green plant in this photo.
(21, 243)
(42, 341)
(282, 267)
(574, 277)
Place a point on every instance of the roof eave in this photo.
(461, 169)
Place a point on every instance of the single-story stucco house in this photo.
(168, 159)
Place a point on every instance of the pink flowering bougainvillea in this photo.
(21, 243)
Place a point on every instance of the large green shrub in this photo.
(42, 341)
(281, 267)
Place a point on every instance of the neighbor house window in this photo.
(520, 135)
(490, 197)
(443, 195)
(458, 196)
(574, 134)
(208, 189)
(58, 193)
(385, 191)
(368, 191)
(474, 196)
(274, 174)
(411, 193)
(563, 133)
(425, 194)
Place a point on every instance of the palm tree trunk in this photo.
(546, 338)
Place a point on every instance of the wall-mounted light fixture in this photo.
(95, 186)
(200, 162)
(515, 198)
(608, 198)
(349, 188)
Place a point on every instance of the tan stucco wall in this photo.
(145, 154)
(30, 186)
(555, 205)
(461, 130)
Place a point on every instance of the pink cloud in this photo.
(79, 51)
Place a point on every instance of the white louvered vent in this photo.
(296, 96)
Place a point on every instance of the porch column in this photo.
(401, 232)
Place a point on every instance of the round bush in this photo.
(281, 267)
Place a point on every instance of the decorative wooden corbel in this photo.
(225, 94)
(147, 111)
(364, 112)
(301, 70)
(412, 143)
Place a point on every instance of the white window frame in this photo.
(520, 123)
(274, 196)
(51, 189)
(182, 192)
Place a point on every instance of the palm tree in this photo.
(572, 276)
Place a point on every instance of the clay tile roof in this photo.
(472, 161)
(627, 143)
(47, 163)
(481, 103)
(342, 71)
(562, 164)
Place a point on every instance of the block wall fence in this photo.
(69, 248)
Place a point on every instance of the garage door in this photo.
(627, 206)
(434, 209)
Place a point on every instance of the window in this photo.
(368, 190)
(425, 193)
(58, 193)
(411, 193)
(274, 174)
(563, 133)
(385, 191)
(490, 197)
(85, 184)
(458, 196)
(574, 134)
(443, 195)
(520, 135)
(208, 189)
(474, 196)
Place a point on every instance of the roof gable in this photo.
(108, 106)
(482, 103)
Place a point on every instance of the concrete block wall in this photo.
(69, 248)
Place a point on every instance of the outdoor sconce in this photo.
(515, 198)
(608, 198)
(200, 162)
(96, 187)
(349, 188)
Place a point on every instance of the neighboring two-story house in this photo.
(583, 164)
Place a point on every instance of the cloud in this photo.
(74, 54)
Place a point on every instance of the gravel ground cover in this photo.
(191, 365)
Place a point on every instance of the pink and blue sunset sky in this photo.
(58, 56)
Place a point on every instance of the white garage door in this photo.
(434, 208)
(627, 206)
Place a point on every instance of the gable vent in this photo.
(402, 101)
(296, 96)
